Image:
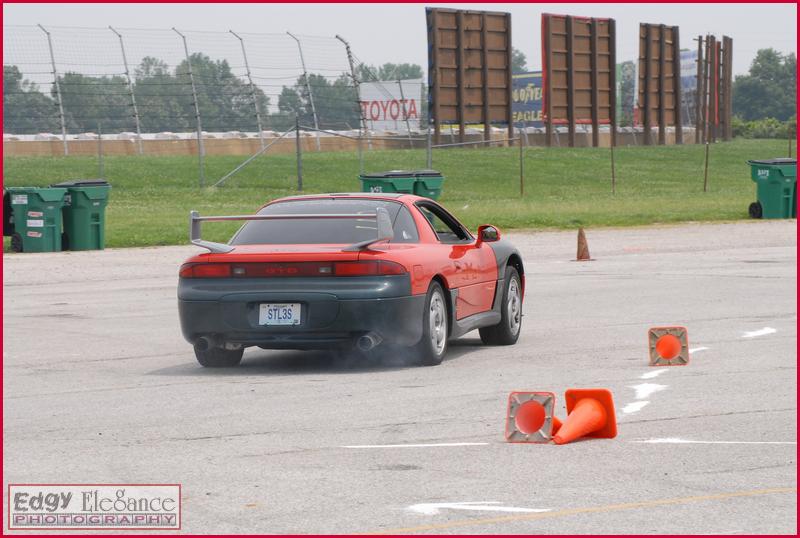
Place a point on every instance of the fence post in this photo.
(521, 170)
(299, 150)
(613, 173)
(200, 147)
(58, 90)
(252, 90)
(308, 88)
(430, 148)
(705, 173)
(130, 90)
(101, 168)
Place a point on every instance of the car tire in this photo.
(217, 357)
(507, 331)
(432, 347)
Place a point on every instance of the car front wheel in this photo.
(506, 332)
(433, 345)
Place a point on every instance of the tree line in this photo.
(164, 97)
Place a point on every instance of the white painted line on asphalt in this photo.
(654, 373)
(696, 349)
(634, 407)
(761, 332)
(646, 389)
(431, 509)
(414, 446)
(678, 441)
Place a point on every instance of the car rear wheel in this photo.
(217, 357)
(507, 331)
(433, 345)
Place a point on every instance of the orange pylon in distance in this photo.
(583, 247)
(669, 346)
(590, 413)
(530, 417)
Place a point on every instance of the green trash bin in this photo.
(428, 183)
(776, 181)
(35, 221)
(85, 214)
(391, 181)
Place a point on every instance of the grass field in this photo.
(564, 188)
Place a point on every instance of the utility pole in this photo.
(58, 89)
(363, 120)
(200, 147)
(308, 87)
(252, 89)
(130, 90)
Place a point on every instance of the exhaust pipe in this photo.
(368, 341)
(204, 343)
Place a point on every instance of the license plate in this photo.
(279, 314)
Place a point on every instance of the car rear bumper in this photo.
(331, 316)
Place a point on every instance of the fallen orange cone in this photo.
(669, 346)
(530, 418)
(590, 413)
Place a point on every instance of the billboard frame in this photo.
(667, 40)
(573, 73)
(466, 63)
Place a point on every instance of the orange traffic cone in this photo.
(669, 346)
(583, 247)
(590, 413)
(556, 424)
(530, 418)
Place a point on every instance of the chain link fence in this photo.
(70, 83)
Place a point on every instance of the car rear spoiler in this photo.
(381, 217)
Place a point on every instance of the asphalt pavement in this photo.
(100, 387)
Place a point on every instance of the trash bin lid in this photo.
(390, 174)
(777, 161)
(82, 183)
(427, 173)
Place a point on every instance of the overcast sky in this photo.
(397, 33)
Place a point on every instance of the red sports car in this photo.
(349, 272)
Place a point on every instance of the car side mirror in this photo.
(488, 234)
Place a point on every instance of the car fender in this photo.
(503, 251)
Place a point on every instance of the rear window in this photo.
(325, 231)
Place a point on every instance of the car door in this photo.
(471, 267)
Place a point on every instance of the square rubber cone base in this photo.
(682, 359)
(529, 417)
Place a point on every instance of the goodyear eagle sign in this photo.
(526, 99)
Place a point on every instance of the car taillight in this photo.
(205, 270)
(298, 269)
(368, 268)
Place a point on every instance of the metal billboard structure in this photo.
(579, 59)
(469, 69)
(659, 98)
(714, 100)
